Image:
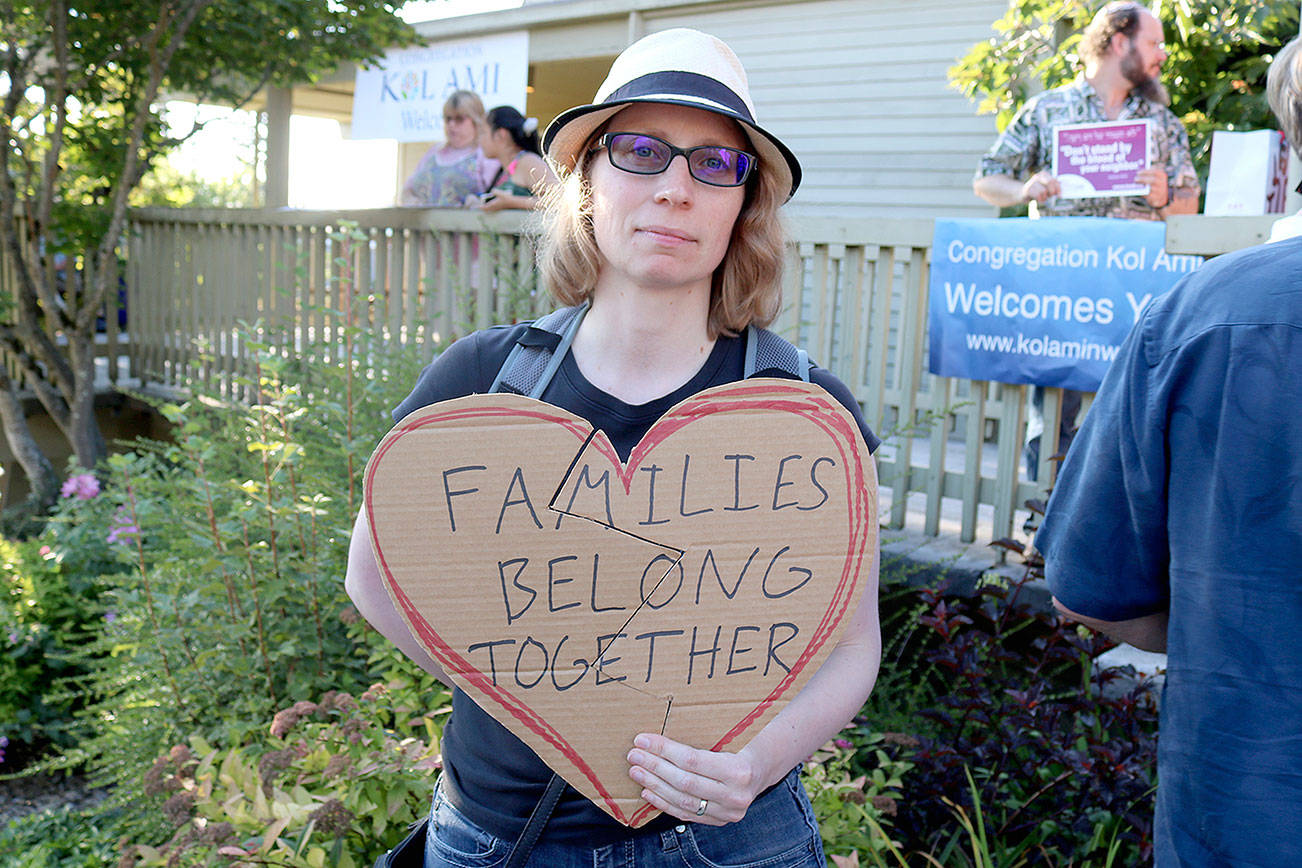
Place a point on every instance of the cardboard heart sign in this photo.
(581, 600)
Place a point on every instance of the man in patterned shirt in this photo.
(1123, 53)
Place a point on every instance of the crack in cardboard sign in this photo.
(599, 663)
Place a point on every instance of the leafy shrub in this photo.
(852, 804)
(333, 783)
(1050, 752)
(61, 838)
(234, 537)
(53, 585)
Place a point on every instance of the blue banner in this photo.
(1043, 301)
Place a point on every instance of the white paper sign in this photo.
(403, 99)
(1248, 175)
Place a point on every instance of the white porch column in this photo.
(280, 105)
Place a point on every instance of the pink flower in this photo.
(123, 534)
(122, 529)
(83, 486)
(46, 551)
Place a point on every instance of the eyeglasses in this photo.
(455, 119)
(647, 155)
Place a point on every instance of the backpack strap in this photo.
(533, 828)
(765, 351)
(534, 359)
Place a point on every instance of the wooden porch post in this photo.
(280, 105)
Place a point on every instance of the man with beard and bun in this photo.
(1123, 52)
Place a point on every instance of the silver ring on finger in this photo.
(700, 809)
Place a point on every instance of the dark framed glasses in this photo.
(642, 154)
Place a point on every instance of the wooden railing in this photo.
(855, 298)
(205, 283)
(71, 274)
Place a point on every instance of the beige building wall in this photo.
(857, 88)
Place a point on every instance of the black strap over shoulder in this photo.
(534, 359)
(766, 351)
(411, 852)
(537, 820)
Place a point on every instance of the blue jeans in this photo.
(779, 831)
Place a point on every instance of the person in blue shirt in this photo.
(1176, 526)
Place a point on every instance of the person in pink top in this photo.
(457, 169)
(512, 139)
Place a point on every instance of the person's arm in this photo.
(1148, 633)
(1184, 200)
(532, 172)
(1015, 155)
(1005, 191)
(676, 777)
(1175, 159)
(1165, 199)
(1104, 537)
(366, 589)
(500, 200)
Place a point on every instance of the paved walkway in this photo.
(945, 550)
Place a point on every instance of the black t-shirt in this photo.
(490, 775)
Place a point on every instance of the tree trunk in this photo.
(41, 476)
(82, 430)
(84, 435)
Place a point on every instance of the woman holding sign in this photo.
(668, 262)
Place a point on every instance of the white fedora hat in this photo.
(675, 67)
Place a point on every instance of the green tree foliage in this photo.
(80, 115)
(1216, 73)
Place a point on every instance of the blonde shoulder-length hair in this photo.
(747, 285)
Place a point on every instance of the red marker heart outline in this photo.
(802, 400)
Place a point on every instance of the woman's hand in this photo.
(699, 786)
(496, 200)
(682, 780)
(493, 200)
